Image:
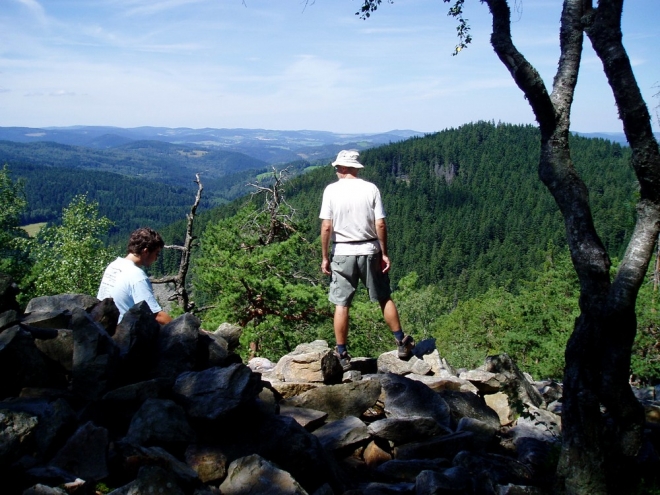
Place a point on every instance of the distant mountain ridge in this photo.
(271, 146)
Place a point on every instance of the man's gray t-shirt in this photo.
(128, 285)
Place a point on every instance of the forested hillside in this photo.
(154, 160)
(466, 209)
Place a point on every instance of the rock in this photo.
(8, 318)
(106, 314)
(151, 479)
(254, 474)
(177, 346)
(291, 389)
(48, 319)
(212, 350)
(515, 385)
(405, 398)
(58, 346)
(136, 338)
(95, 357)
(15, 432)
(314, 362)
(405, 430)
(215, 392)
(374, 455)
(85, 453)
(445, 447)
(499, 403)
(467, 404)
(8, 292)
(483, 434)
(538, 423)
(498, 468)
(21, 363)
(40, 489)
(485, 381)
(55, 421)
(447, 482)
(347, 432)
(310, 419)
(61, 302)
(160, 422)
(210, 463)
(389, 362)
(365, 365)
(408, 470)
(444, 381)
(231, 334)
(339, 401)
(261, 365)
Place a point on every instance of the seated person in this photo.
(125, 281)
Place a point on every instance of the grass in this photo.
(34, 228)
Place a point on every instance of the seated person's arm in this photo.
(163, 318)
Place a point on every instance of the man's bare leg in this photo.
(390, 314)
(341, 324)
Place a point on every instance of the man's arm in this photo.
(326, 233)
(163, 318)
(381, 232)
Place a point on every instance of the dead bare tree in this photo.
(179, 280)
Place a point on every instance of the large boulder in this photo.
(61, 302)
(254, 474)
(314, 362)
(21, 363)
(85, 453)
(216, 392)
(339, 401)
(160, 422)
(177, 346)
(513, 382)
(136, 337)
(95, 356)
(405, 398)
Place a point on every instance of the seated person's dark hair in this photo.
(144, 238)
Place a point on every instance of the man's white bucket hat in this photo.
(348, 158)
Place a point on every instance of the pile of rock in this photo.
(88, 403)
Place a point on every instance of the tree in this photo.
(596, 454)
(258, 271)
(12, 238)
(71, 257)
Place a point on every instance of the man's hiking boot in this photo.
(344, 359)
(404, 348)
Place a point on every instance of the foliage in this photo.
(71, 257)
(12, 239)
(269, 288)
(645, 360)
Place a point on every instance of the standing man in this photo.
(353, 218)
(125, 281)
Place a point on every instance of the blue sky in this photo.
(289, 65)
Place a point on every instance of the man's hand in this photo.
(385, 263)
(325, 266)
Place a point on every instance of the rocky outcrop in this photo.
(148, 409)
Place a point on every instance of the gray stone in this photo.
(160, 422)
(404, 430)
(314, 362)
(106, 314)
(261, 365)
(136, 337)
(405, 398)
(137, 456)
(231, 334)
(408, 470)
(516, 385)
(339, 401)
(432, 482)
(56, 319)
(212, 393)
(61, 302)
(58, 346)
(85, 453)
(210, 463)
(445, 447)
(467, 404)
(254, 474)
(40, 489)
(310, 419)
(343, 433)
(212, 350)
(483, 433)
(95, 356)
(150, 480)
(499, 469)
(15, 431)
(177, 346)
(21, 363)
(8, 318)
(389, 362)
